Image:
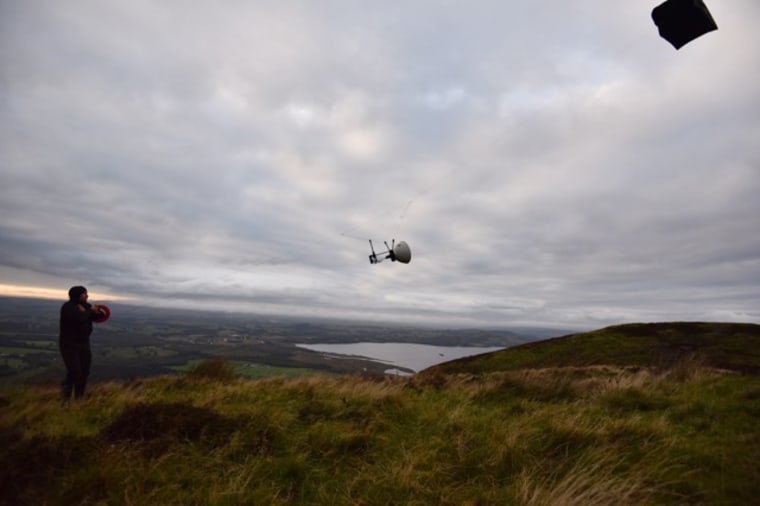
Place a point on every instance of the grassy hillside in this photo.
(732, 346)
(675, 431)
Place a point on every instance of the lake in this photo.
(408, 355)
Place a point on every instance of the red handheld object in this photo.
(105, 313)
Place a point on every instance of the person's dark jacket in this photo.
(76, 325)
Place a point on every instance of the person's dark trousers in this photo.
(77, 359)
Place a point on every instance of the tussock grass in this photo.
(589, 481)
(551, 436)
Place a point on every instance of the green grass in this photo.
(541, 437)
(51, 345)
(250, 369)
(253, 370)
(687, 433)
(6, 350)
(136, 352)
(13, 363)
(733, 346)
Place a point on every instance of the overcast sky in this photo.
(551, 163)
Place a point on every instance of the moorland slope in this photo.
(642, 414)
(730, 346)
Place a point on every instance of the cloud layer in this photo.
(551, 163)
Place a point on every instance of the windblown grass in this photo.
(551, 436)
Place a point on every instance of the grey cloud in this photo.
(548, 163)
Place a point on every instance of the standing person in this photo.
(74, 341)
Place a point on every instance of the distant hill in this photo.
(732, 346)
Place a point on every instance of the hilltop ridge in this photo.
(730, 346)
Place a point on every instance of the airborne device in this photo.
(681, 21)
(396, 252)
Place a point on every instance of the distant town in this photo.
(144, 341)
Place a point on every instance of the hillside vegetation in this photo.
(731, 346)
(543, 428)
